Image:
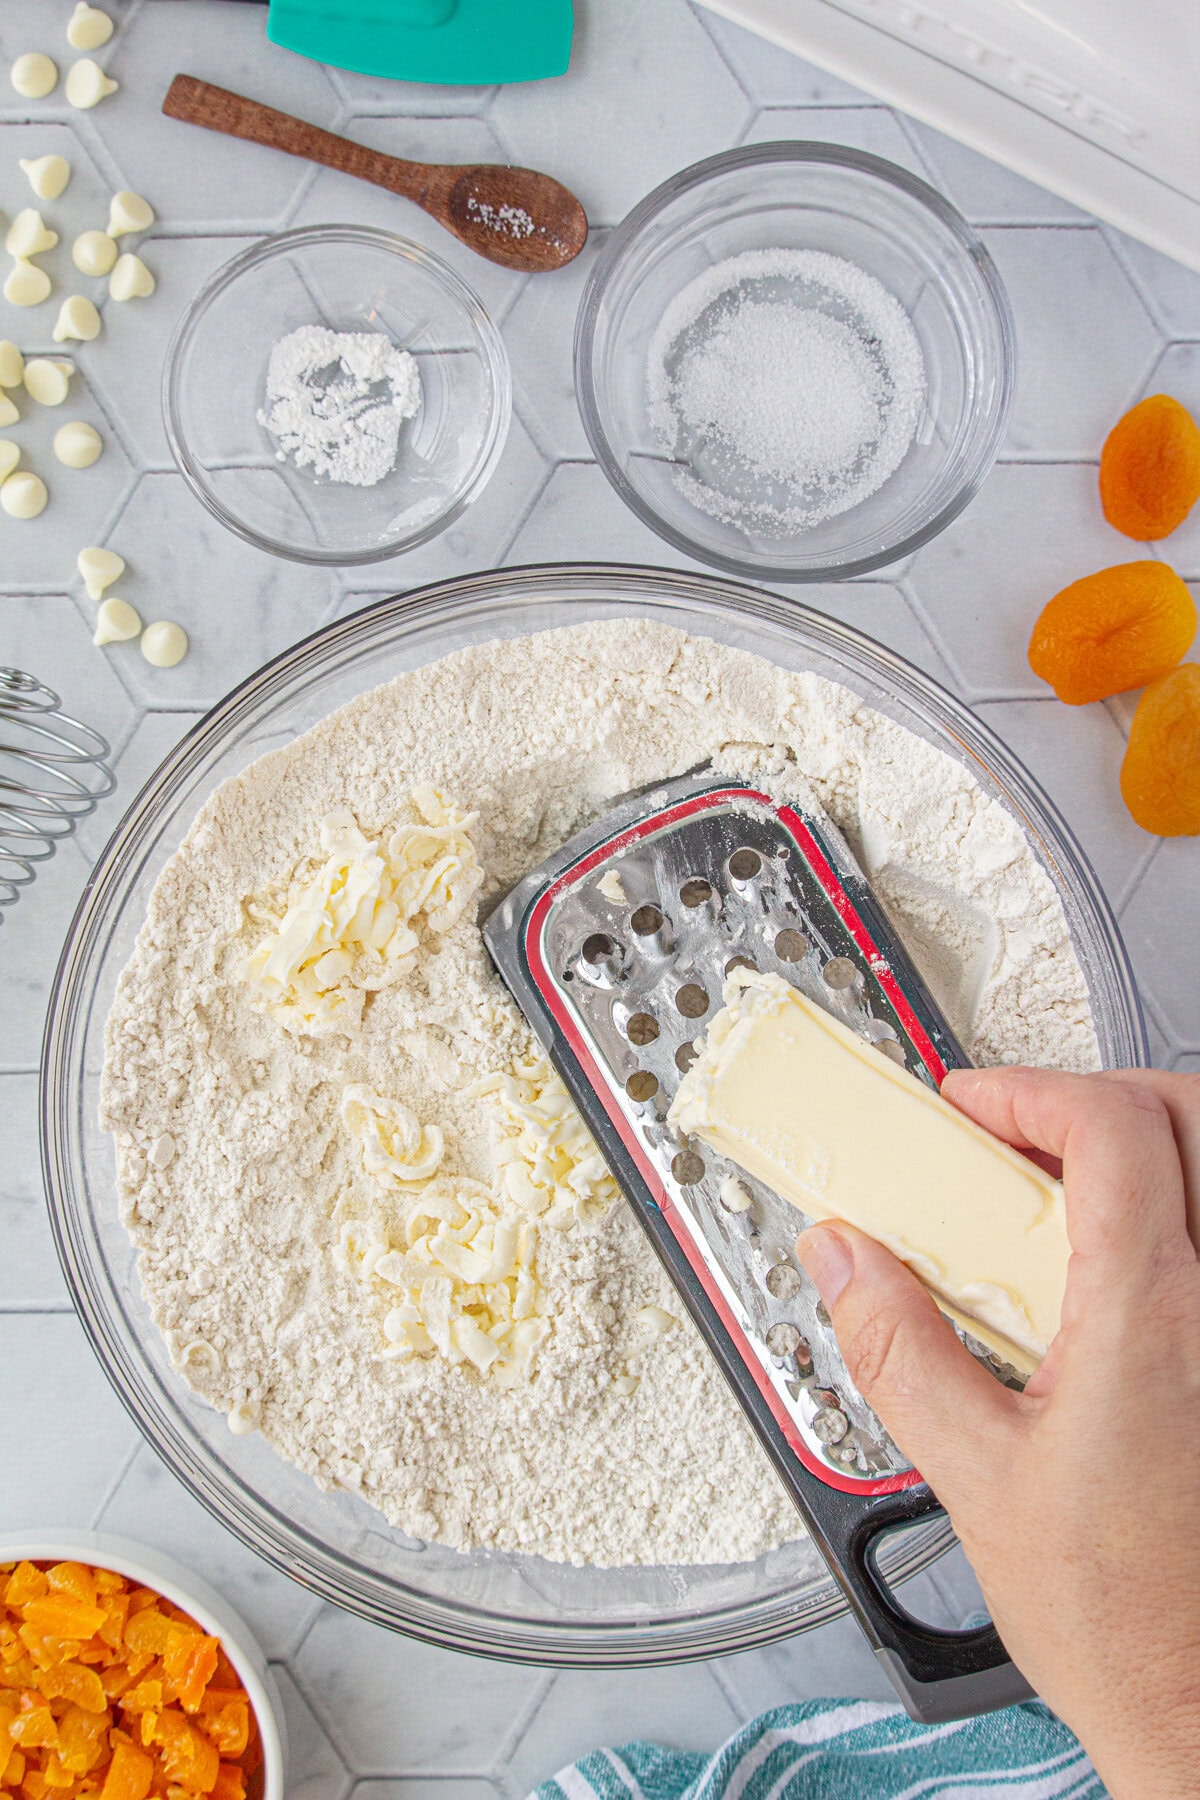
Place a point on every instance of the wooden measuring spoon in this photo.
(514, 217)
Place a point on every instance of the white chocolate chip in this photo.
(34, 75)
(130, 279)
(128, 212)
(240, 1419)
(10, 456)
(29, 235)
(8, 412)
(48, 175)
(164, 644)
(99, 569)
(26, 284)
(78, 444)
(23, 495)
(77, 318)
(93, 253)
(47, 379)
(116, 623)
(12, 364)
(87, 84)
(88, 27)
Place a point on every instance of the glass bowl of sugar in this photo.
(337, 395)
(795, 361)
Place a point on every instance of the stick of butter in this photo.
(815, 1112)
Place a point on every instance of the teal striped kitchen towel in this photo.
(850, 1750)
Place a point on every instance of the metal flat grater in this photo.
(616, 950)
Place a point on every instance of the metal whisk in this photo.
(52, 773)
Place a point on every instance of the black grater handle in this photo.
(939, 1675)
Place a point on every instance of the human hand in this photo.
(1078, 1501)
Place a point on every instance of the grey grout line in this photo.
(1136, 876)
(20, 1309)
(125, 1466)
(736, 1704)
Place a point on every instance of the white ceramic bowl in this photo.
(177, 1584)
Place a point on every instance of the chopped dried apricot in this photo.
(73, 1578)
(230, 1783)
(1114, 630)
(1160, 776)
(129, 1774)
(147, 1633)
(77, 1643)
(187, 1755)
(27, 1582)
(81, 1740)
(62, 1616)
(71, 1681)
(1150, 468)
(229, 1729)
(34, 1727)
(116, 1612)
(189, 1664)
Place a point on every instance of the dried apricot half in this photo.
(1114, 630)
(1150, 468)
(1160, 776)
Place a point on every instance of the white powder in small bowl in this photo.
(336, 401)
(787, 384)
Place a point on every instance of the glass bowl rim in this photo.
(293, 1548)
(612, 256)
(492, 350)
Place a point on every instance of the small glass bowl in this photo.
(801, 196)
(349, 278)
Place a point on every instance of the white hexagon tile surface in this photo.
(1100, 320)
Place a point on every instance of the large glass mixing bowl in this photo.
(504, 1605)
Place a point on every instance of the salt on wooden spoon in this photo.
(513, 216)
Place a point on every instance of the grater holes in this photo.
(784, 1340)
(783, 1282)
(691, 1000)
(830, 1426)
(687, 1168)
(891, 1049)
(642, 1029)
(641, 1085)
(839, 973)
(598, 948)
(646, 921)
(790, 945)
(744, 865)
(696, 891)
(740, 962)
(685, 1056)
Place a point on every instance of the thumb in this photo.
(948, 1415)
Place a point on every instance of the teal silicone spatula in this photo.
(473, 43)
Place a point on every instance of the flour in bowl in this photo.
(269, 1138)
(336, 402)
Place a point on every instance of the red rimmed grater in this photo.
(616, 950)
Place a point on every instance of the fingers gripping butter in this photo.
(805, 1105)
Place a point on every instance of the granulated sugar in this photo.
(789, 383)
(234, 1165)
